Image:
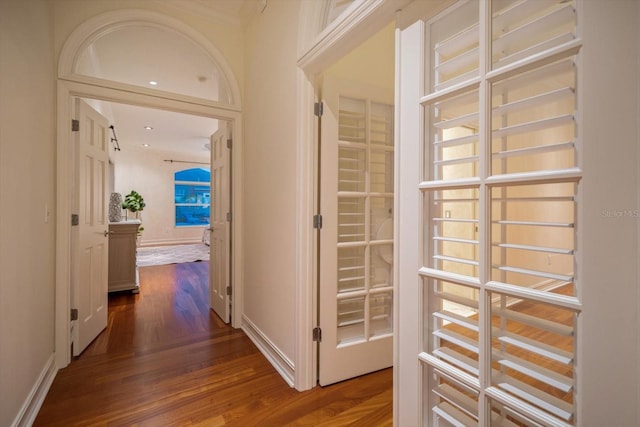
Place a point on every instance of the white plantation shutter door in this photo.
(356, 292)
(499, 186)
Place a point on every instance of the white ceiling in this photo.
(138, 55)
(172, 132)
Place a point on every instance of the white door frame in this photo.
(360, 21)
(67, 90)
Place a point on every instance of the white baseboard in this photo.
(32, 404)
(280, 362)
(168, 242)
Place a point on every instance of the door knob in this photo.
(106, 233)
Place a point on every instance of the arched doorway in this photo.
(209, 90)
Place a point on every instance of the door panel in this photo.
(356, 255)
(92, 252)
(220, 226)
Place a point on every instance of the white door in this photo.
(356, 253)
(92, 254)
(219, 271)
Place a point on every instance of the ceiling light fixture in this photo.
(148, 128)
(153, 83)
(146, 145)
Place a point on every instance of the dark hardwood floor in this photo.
(165, 359)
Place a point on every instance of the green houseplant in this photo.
(133, 202)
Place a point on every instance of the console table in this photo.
(123, 270)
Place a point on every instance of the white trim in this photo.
(278, 359)
(637, 373)
(67, 90)
(171, 242)
(305, 348)
(360, 21)
(31, 406)
(93, 28)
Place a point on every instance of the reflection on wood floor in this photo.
(165, 359)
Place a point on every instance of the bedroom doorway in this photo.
(75, 82)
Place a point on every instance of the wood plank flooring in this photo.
(165, 359)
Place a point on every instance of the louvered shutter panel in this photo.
(500, 186)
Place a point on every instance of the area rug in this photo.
(161, 255)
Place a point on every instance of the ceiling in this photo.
(137, 55)
(170, 132)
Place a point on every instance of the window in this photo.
(192, 196)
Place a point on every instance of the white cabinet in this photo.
(123, 271)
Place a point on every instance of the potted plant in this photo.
(133, 202)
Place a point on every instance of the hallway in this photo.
(166, 359)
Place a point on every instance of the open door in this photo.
(356, 240)
(219, 267)
(92, 253)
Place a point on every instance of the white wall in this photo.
(270, 174)
(609, 270)
(372, 63)
(146, 172)
(27, 178)
(224, 34)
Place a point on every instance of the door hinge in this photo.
(318, 108)
(317, 221)
(75, 125)
(317, 334)
(74, 314)
(229, 290)
(229, 143)
(228, 216)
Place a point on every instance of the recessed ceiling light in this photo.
(148, 128)
(146, 145)
(153, 83)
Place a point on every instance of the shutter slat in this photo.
(457, 339)
(458, 399)
(457, 319)
(456, 359)
(545, 401)
(534, 371)
(542, 24)
(537, 322)
(537, 223)
(463, 60)
(535, 248)
(467, 119)
(454, 259)
(534, 101)
(533, 126)
(453, 415)
(471, 221)
(524, 53)
(456, 240)
(460, 160)
(519, 10)
(536, 273)
(537, 149)
(537, 348)
(466, 37)
(456, 142)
